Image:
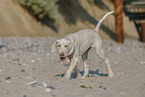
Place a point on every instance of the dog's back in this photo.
(83, 39)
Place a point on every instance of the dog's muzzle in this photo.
(62, 57)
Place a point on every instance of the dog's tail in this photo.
(99, 23)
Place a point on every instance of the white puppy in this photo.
(78, 44)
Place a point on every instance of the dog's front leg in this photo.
(77, 72)
(73, 64)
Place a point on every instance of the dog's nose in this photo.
(61, 54)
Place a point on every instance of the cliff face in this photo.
(73, 15)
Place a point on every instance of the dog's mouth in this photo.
(62, 58)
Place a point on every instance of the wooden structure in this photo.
(135, 10)
(118, 21)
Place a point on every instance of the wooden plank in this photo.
(142, 32)
(133, 2)
(135, 9)
(119, 21)
(137, 2)
(136, 16)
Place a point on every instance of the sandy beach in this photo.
(28, 69)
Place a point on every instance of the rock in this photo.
(32, 60)
(143, 62)
(32, 82)
(7, 78)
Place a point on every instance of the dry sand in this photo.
(27, 69)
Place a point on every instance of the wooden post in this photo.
(119, 21)
(142, 32)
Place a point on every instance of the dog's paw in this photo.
(110, 74)
(66, 77)
(79, 76)
(84, 76)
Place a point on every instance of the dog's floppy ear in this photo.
(53, 47)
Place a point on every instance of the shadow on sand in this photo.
(73, 75)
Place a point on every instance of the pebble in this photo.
(32, 60)
(47, 89)
(7, 81)
(35, 83)
(44, 84)
(142, 62)
(22, 70)
(7, 78)
(103, 87)
(51, 87)
(32, 82)
(83, 86)
(31, 78)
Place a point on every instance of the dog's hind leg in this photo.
(101, 54)
(86, 66)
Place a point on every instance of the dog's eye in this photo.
(66, 46)
(59, 45)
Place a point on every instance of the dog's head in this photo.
(64, 47)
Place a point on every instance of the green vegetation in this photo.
(91, 2)
(40, 8)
